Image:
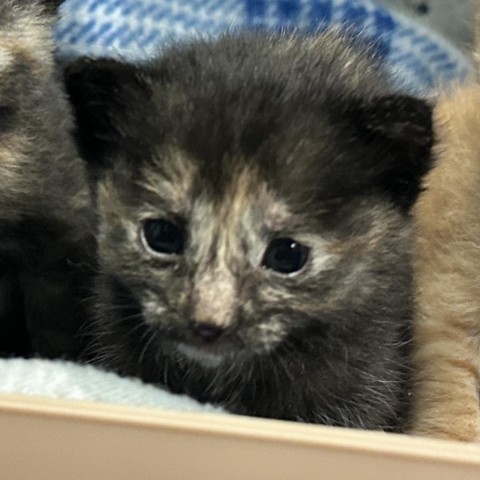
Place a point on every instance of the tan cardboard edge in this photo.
(233, 426)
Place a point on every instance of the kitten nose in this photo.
(208, 332)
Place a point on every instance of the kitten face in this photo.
(253, 236)
(222, 276)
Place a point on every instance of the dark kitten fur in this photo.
(45, 219)
(254, 234)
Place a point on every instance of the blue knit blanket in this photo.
(133, 29)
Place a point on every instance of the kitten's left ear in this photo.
(401, 119)
(402, 127)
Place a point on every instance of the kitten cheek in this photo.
(153, 312)
(322, 261)
(267, 336)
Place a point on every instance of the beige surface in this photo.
(58, 440)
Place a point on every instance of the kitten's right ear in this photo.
(97, 89)
(52, 6)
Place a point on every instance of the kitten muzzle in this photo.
(207, 355)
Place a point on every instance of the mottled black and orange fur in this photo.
(46, 235)
(240, 140)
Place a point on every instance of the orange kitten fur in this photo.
(447, 266)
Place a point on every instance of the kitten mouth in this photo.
(207, 355)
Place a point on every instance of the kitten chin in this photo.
(46, 233)
(204, 357)
(253, 198)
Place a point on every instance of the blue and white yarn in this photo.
(135, 29)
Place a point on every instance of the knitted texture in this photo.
(135, 29)
(67, 380)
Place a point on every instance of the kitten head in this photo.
(253, 200)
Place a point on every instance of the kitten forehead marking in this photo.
(171, 181)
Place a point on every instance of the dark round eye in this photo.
(285, 255)
(164, 236)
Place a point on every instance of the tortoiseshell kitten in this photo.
(45, 220)
(254, 233)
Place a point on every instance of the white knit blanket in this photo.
(67, 380)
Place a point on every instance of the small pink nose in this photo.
(208, 332)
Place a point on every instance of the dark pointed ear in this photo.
(52, 6)
(401, 127)
(98, 90)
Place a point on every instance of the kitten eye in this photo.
(285, 255)
(164, 236)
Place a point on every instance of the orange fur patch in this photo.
(447, 272)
